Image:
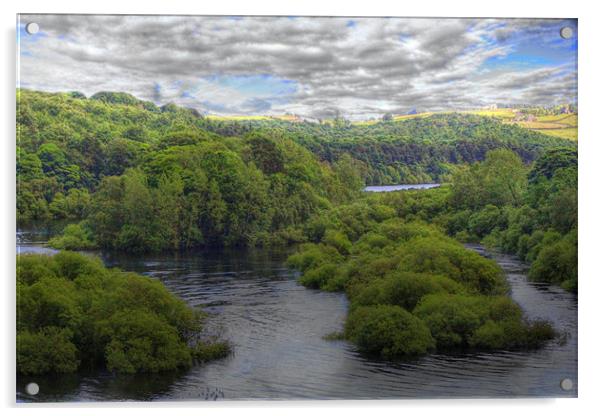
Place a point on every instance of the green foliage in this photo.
(74, 237)
(485, 221)
(404, 289)
(208, 351)
(460, 321)
(149, 180)
(67, 142)
(414, 150)
(73, 206)
(413, 290)
(49, 350)
(388, 331)
(266, 155)
(312, 256)
(73, 312)
(142, 178)
(535, 219)
(551, 161)
(499, 180)
(337, 240)
(115, 98)
(140, 341)
(557, 262)
(441, 256)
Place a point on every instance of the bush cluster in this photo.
(72, 312)
(413, 290)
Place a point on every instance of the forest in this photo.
(214, 182)
(125, 175)
(413, 289)
(152, 180)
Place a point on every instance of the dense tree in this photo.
(535, 218)
(75, 142)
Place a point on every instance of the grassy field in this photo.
(395, 118)
(569, 133)
(560, 125)
(242, 118)
(505, 114)
(409, 116)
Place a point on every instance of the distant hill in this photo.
(406, 149)
(563, 125)
(422, 147)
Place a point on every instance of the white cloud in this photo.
(311, 65)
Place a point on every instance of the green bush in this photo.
(51, 301)
(446, 257)
(70, 265)
(484, 221)
(49, 350)
(30, 269)
(140, 341)
(388, 331)
(98, 317)
(458, 222)
(452, 319)
(557, 263)
(74, 237)
(404, 289)
(511, 334)
(318, 278)
(208, 351)
(486, 322)
(337, 240)
(313, 255)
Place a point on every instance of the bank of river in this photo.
(277, 328)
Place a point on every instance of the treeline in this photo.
(530, 211)
(413, 290)
(170, 187)
(73, 313)
(422, 149)
(68, 143)
(148, 178)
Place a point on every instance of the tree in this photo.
(266, 155)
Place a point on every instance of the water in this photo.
(277, 328)
(391, 188)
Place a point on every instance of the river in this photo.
(405, 187)
(277, 328)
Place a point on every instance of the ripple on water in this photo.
(277, 329)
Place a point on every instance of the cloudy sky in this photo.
(314, 67)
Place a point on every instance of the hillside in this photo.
(561, 125)
(67, 141)
(417, 148)
(147, 178)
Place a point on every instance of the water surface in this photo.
(405, 187)
(277, 329)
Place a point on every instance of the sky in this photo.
(358, 68)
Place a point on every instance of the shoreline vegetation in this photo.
(74, 313)
(413, 290)
(133, 177)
